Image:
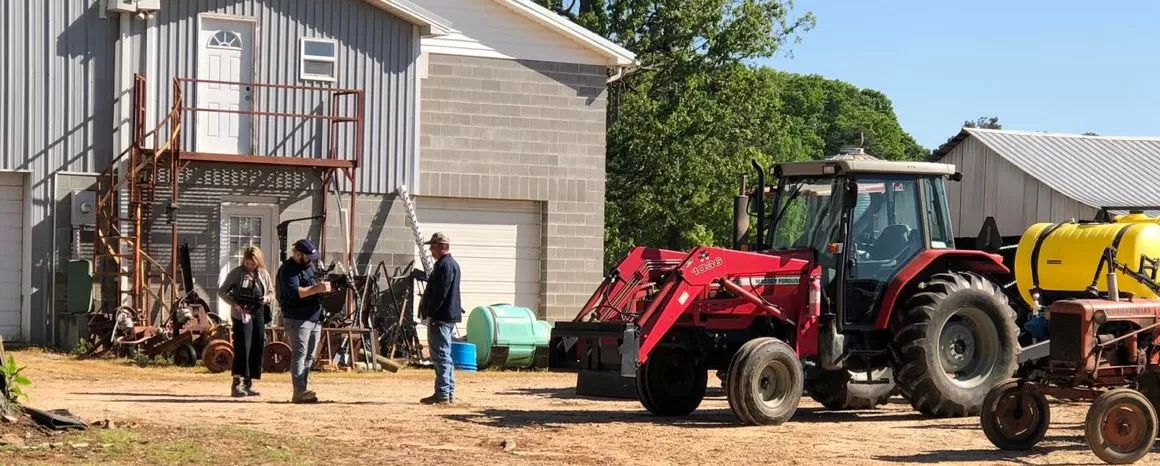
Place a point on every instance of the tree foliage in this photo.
(984, 123)
(684, 125)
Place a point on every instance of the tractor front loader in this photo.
(850, 291)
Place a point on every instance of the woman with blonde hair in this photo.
(249, 290)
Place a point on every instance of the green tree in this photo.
(984, 123)
(684, 125)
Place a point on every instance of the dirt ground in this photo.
(500, 418)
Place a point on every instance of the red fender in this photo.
(975, 261)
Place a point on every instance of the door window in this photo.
(245, 231)
(887, 233)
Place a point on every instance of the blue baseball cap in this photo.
(307, 248)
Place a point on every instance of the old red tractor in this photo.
(850, 290)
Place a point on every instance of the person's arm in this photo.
(438, 287)
(269, 284)
(306, 291)
(231, 280)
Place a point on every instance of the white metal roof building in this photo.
(1022, 178)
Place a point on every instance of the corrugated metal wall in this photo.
(993, 187)
(377, 53)
(56, 109)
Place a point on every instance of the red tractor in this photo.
(850, 291)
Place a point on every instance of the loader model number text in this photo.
(707, 266)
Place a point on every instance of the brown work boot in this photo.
(307, 396)
(436, 400)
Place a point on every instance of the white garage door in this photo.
(497, 245)
(11, 253)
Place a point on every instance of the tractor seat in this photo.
(894, 239)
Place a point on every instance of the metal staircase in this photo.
(126, 196)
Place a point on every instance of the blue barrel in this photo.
(463, 356)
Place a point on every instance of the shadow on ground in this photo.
(701, 418)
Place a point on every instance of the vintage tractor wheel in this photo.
(1015, 416)
(848, 389)
(185, 356)
(768, 384)
(1121, 426)
(218, 356)
(276, 357)
(671, 382)
(956, 340)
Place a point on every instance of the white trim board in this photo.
(520, 30)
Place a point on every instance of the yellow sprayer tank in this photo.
(1069, 254)
(1136, 218)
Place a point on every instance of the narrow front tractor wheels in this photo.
(955, 341)
(1015, 415)
(672, 382)
(765, 382)
(1121, 426)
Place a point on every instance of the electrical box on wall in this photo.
(84, 208)
(121, 6)
(149, 5)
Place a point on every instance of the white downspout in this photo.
(124, 98)
(152, 75)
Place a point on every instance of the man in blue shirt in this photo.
(298, 290)
(440, 310)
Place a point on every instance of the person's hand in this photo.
(322, 287)
(267, 299)
(237, 309)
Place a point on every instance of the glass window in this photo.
(319, 61)
(938, 213)
(225, 40)
(245, 231)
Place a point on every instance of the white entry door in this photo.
(243, 226)
(225, 53)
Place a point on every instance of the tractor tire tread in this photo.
(911, 344)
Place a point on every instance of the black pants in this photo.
(249, 344)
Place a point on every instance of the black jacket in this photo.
(292, 276)
(441, 298)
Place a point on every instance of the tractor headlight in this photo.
(1100, 317)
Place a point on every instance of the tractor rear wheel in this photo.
(766, 385)
(956, 340)
(671, 382)
(848, 389)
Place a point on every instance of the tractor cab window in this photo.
(886, 233)
(808, 217)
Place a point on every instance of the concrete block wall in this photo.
(524, 130)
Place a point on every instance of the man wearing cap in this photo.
(298, 291)
(440, 310)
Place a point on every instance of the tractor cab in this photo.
(864, 218)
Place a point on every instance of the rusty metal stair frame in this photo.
(126, 194)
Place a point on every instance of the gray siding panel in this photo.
(56, 107)
(377, 53)
(994, 187)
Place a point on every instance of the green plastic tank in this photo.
(507, 336)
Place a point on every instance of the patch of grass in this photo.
(178, 451)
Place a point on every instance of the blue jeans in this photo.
(439, 342)
(303, 336)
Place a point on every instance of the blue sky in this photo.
(1060, 66)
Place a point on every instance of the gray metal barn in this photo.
(1022, 178)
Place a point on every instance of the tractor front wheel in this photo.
(955, 342)
(671, 382)
(765, 384)
(849, 389)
